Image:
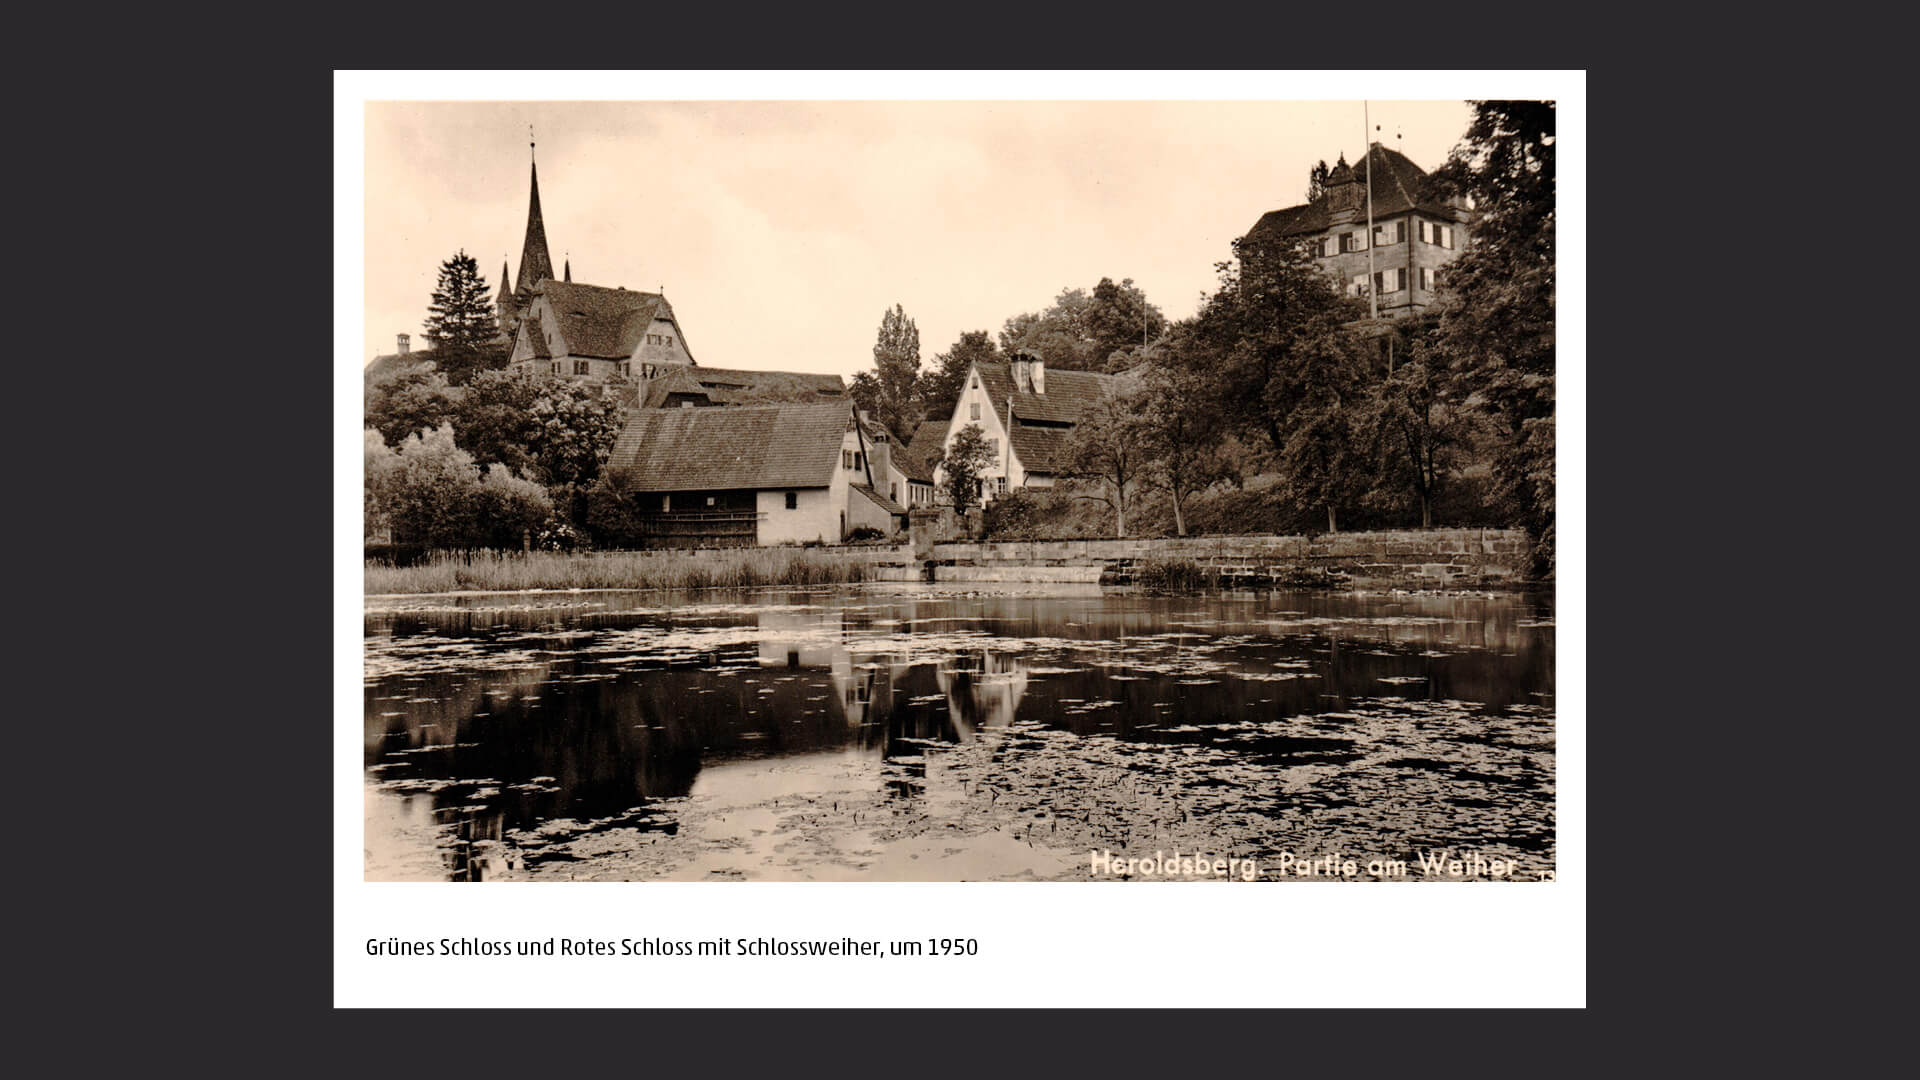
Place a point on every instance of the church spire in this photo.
(569, 269)
(535, 264)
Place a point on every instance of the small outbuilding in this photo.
(746, 475)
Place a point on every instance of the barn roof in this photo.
(757, 447)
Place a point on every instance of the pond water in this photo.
(922, 732)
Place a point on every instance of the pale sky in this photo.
(782, 230)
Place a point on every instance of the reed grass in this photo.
(1161, 573)
(497, 571)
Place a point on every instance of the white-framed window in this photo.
(1387, 281)
(581, 367)
(846, 460)
(1326, 247)
(1426, 231)
(973, 411)
(1353, 241)
(1389, 232)
(1358, 286)
(999, 485)
(1426, 278)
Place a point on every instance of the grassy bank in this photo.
(508, 571)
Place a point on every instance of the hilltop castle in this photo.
(1415, 233)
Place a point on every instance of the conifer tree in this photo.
(460, 318)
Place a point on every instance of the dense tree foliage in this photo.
(431, 493)
(555, 430)
(1497, 302)
(1317, 179)
(1081, 331)
(1274, 317)
(412, 401)
(939, 389)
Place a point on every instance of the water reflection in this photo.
(506, 739)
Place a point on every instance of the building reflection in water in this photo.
(571, 735)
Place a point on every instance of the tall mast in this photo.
(1373, 292)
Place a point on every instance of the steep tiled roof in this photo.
(773, 446)
(911, 464)
(1042, 422)
(1399, 186)
(536, 338)
(930, 436)
(730, 385)
(880, 500)
(599, 322)
(675, 381)
(1069, 393)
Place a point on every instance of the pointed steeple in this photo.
(505, 278)
(569, 270)
(535, 264)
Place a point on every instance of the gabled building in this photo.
(754, 474)
(1027, 414)
(593, 332)
(1414, 233)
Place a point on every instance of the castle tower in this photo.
(1343, 188)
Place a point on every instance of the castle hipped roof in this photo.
(754, 447)
(1398, 186)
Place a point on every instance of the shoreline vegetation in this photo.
(496, 571)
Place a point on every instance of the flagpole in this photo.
(1366, 155)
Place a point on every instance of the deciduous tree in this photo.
(1181, 426)
(962, 463)
(413, 401)
(1110, 444)
(1497, 300)
(888, 392)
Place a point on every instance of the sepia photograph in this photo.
(959, 491)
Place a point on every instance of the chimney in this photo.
(404, 339)
(1023, 372)
(880, 455)
(1039, 376)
